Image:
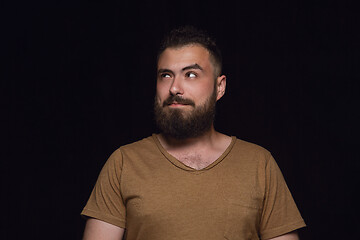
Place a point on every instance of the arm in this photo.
(99, 230)
(287, 236)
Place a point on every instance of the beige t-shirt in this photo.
(242, 195)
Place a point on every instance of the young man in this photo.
(190, 181)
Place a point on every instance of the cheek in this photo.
(163, 86)
(158, 99)
(161, 92)
(203, 92)
(161, 95)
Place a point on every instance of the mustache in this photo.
(179, 100)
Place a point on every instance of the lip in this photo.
(176, 104)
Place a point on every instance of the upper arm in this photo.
(287, 236)
(99, 230)
(280, 214)
(105, 202)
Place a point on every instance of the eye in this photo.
(165, 75)
(191, 75)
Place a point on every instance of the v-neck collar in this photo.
(181, 165)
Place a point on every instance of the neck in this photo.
(206, 139)
(198, 152)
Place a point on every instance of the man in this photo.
(190, 181)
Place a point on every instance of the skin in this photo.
(99, 230)
(288, 236)
(188, 72)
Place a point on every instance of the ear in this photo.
(220, 86)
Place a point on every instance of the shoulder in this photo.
(142, 145)
(248, 148)
(249, 154)
(141, 150)
(254, 155)
(134, 147)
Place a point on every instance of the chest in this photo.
(176, 203)
(197, 160)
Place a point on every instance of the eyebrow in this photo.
(192, 66)
(164, 70)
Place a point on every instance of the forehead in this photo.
(185, 55)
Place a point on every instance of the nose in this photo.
(176, 87)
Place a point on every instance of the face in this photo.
(186, 91)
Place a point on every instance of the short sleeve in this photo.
(105, 202)
(280, 214)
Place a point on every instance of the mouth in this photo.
(177, 104)
(175, 101)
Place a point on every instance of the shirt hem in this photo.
(283, 230)
(103, 217)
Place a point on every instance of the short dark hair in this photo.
(188, 35)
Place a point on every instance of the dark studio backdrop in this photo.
(78, 81)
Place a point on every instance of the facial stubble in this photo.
(182, 124)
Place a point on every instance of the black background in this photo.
(79, 81)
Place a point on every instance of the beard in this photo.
(182, 124)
